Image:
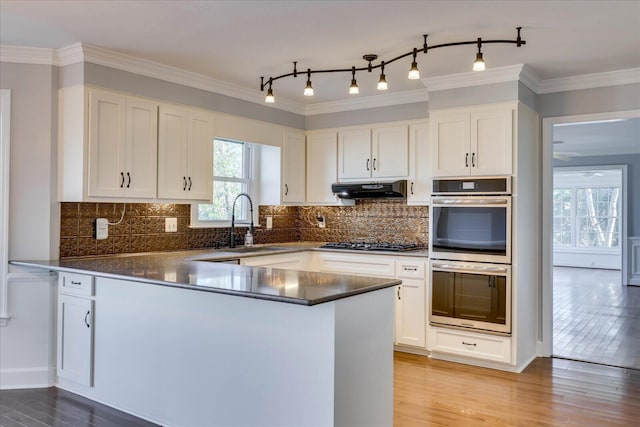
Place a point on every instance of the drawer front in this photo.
(361, 265)
(479, 346)
(410, 269)
(75, 284)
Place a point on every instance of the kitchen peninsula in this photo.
(184, 342)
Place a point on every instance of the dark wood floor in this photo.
(595, 318)
(550, 392)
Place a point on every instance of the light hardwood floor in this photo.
(550, 392)
(595, 318)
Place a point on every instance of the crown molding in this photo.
(27, 55)
(70, 55)
(589, 81)
(385, 100)
(474, 78)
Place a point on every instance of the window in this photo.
(586, 210)
(232, 175)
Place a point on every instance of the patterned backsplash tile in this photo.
(142, 227)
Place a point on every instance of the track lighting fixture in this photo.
(353, 89)
(308, 90)
(414, 72)
(382, 82)
(478, 65)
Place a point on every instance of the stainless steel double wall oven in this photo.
(470, 251)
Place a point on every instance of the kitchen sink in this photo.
(251, 249)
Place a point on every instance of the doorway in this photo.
(588, 312)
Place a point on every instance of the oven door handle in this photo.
(480, 202)
(469, 268)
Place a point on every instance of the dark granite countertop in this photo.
(185, 269)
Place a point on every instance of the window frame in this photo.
(249, 170)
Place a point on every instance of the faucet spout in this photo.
(232, 243)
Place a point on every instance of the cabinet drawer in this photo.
(479, 346)
(75, 284)
(410, 269)
(362, 265)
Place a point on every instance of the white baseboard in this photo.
(40, 377)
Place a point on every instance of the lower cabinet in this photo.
(76, 307)
(294, 261)
(470, 344)
(410, 318)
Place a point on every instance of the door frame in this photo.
(545, 345)
(5, 134)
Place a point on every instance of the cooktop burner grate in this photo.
(370, 246)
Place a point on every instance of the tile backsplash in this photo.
(142, 228)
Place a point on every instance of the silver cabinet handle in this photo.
(412, 188)
(86, 316)
(440, 201)
(466, 160)
(409, 268)
(470, 344)
(374, 165)
(189, 184)
(469, 268)
(368, 164)
(399, 293)
(473, 160)
(76, 283)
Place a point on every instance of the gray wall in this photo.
(589, 101)
(633, 179)
(418, 110)
(111, 78)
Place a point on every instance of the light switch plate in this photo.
(269, 222)
(171, 225)
(101, 228)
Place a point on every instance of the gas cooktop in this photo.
(367, 246)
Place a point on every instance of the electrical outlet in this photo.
(101, 228)
(322, 222)
(269, 222)
(171, 225)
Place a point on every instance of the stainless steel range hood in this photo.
(371, 190)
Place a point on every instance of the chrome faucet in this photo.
(232, 243)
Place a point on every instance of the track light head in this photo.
(353, 89)
(269, 99)
(308, 90)
(414, 73)
(382, 82)
(478, 64)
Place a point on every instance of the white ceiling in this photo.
(598, 138)
(239, 41)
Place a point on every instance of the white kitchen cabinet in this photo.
(322, 167)
(357, 264)
(75, 328)
(410, 318)
(381, 152)
(185, 154)
(419, 185)
(444, 341)
(293, 168)
(476, 142)
(292, 261)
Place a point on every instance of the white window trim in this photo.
(251, 160)
(5, 133)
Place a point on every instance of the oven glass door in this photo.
(471, 296)
(471, 228)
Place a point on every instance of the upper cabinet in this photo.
(122, 146)
(379, 152)
(185, 154)
(293, 166)
(419, 184)
(472, 142)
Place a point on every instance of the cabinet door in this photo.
(172, 153)
(106, 175)
(411, 317)
(450, 145)
(322, 155)
(75, 339)
(141, 146)
(492, 142)
(293, 167)
(354, 154)
(199, 156)
(390, 152)
(420, 183)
